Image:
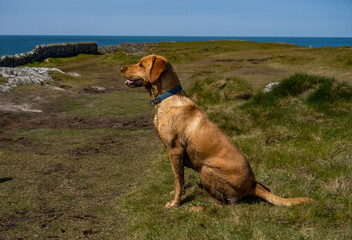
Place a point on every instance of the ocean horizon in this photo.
(15, 44)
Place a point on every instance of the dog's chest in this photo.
(164, 126)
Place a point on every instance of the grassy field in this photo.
(90, 165)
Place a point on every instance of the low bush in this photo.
(313, 89)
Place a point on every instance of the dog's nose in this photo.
(121, 69)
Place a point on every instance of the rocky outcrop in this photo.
(109, 48)
(13, 77)
(126, 47)
(42, 52)
(136, 47)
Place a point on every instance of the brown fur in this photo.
(194, 141)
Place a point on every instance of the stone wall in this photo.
(42, 52)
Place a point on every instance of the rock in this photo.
(136, 47)
(137, 54)
(109, 48)
(270, 87)
(74, 74)
(54, 87)
(10, 107)
(98, 89)
(25, 75)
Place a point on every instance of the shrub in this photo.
(322, 90)
(331, 92)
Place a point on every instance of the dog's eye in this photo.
(141, 65)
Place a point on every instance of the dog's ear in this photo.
(158, 66)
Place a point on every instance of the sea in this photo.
(14, 44)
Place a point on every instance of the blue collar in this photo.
(163, 96)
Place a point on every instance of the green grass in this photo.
(119, 58)
(180, 52)
(212, 89)
(122, 105)
(57, 62)
(67, 81)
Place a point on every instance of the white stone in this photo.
(74, 74)
(270, 87)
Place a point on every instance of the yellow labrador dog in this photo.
(193, 140)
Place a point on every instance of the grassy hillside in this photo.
(90, 165)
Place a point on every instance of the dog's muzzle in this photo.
(134, 83)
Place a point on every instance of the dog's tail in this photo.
(276, 200)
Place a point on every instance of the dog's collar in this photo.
(163, 96)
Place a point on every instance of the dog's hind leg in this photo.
(218, 188)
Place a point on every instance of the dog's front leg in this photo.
(176, 159)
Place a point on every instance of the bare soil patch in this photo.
(251, 60)
(28, 121)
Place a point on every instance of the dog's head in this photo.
(146, 71)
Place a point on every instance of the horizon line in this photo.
(88, 35)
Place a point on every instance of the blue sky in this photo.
(293, 18)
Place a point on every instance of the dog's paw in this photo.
(172, 204)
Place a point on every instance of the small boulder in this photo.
(98, 89)
(270, 87)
